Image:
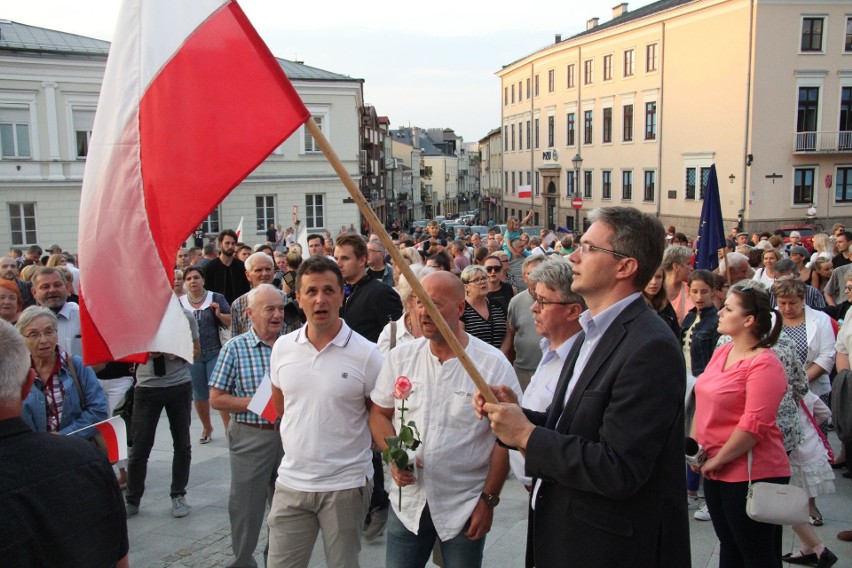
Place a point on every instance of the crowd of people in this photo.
(602, 355)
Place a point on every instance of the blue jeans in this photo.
(408, 550)
(148, 404)
(200, 371)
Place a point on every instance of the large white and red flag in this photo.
(192, 101)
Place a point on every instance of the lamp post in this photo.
(577, 161)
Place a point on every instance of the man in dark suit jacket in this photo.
(607, 457)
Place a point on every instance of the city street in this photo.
(203, 538)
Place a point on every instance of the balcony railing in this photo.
(823, 141)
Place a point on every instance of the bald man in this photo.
(451, 499)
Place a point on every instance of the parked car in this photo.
(806, 233)
(532, 231)
(421, 223)
(481, 229)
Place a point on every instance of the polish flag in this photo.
(114, 433)
(261, 402)
(192, 101)
(524, 191)
(239, 230)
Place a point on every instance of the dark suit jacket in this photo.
(613, 470)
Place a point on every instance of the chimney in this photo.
(592, 23)
(619, 10)
(558, 38)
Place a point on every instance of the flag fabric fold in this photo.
(114, 434)
(261, 402)
(711, 231)
(192, 101)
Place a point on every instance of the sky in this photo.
(428, 64)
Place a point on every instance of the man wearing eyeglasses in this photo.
(377, 268)
(606, 460)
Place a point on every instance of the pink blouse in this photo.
(743, 397)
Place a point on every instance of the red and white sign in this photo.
(261, 402)
(524, 192)
(183, 81)
(577, 202)
(114, 433)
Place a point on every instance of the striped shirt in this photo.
(239, 370)
(491, 330)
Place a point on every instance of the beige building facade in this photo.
(634, 111)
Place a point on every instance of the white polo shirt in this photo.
(456, 448)
(68, 329)
(325, 430)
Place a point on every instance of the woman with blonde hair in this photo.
(766, 274)
(411, 257)
(822, 248)
(57, 260)
(821, 269)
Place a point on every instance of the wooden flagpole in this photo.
(379, 229)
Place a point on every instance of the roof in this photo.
(41, 41)
(630, 16)
(406, 136)
(21, 37)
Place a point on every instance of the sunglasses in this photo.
(493, 268)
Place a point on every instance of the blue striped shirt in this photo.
(243, 361)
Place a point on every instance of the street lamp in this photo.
(577, 161)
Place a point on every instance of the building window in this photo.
(587, 126)
(212, 225)
(806, 118)
(570, 128)
(607, 126)
(705, 179)
(528, 87)
(537, 183)
(535, 86)
(845, 136)
(606, 184)
(551, 121)
(627, 127)
(513, 93)
(607, 67)
(848, 43)
(528, 135)
(22, 221)
(520, 136)
(587, 184)
(690, 184)
(513, 183)
(650, 179)
(83, 120)
(650, 57)
(812, 34)
(843, 185)
(650, 121)
(569, 74)
(15, 132)
(505, 96)
(627, 185)
(629, 55)
(505, 182)
(505, 138)
(311, 144)
(803, 186)
(551, 81)
(520, 95)
(264, 206)
(569, 183)
(536, 134)
(513, 137)
(315, 210)
(588, 71)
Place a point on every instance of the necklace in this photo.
(199, 300)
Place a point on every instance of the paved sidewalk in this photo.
(203, 538)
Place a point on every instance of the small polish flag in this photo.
(239, 230)
(261, 402)
(524, 191)
(114, 433)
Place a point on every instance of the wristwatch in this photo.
(490, 500)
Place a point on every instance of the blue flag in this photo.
(711, 232)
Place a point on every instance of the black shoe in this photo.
(847, 474)
(805, 559)
(826, 559)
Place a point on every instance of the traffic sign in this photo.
(577, 202)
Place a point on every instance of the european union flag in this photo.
(711, 232)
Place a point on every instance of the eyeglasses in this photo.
(848, 288)
(36, 335)
(493, 268)
(479, 280)
(372, 250)
(544, 303)
(584, 248)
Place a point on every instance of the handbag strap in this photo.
(69, 363)
(818, 429)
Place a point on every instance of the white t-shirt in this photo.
(325, 430)
(456, 447)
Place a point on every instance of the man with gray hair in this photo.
(43, 523)
(521, 343)
(253, 442)
(740, 269)
(677, 268)
(377, 268)
(260, 269)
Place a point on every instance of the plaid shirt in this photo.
(239, 370)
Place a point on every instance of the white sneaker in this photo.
(692, 502)
(702, 514)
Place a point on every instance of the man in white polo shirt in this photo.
(322, 376)
(461, 469)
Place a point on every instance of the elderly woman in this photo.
(407, 327)
(11, 302)
(211, 311)
(736, 402)
(66, 395)
(482, 318)
(766, 274)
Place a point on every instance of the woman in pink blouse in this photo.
(737, 399)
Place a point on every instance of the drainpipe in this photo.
(748, 104)
(660, 118)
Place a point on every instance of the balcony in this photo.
(823, 142)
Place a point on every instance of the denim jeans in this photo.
(200, 372)
(148, 404)
(408, 550)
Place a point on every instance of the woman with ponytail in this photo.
(737, 399)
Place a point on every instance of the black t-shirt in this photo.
(840, 260)
(230, 281)
(271, 235)
(60, 501)
(370, 306)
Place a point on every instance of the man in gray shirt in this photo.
(521, 344)
(163, 382)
